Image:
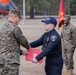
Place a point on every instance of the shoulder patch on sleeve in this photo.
(53, 38)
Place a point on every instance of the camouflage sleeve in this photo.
(73, 32)
(61, 35)
(20, 38)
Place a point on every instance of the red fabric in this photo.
(61, 13)
(33, 52)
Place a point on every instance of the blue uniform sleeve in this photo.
(51, 45)
(38, 42)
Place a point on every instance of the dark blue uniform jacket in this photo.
(51, 46)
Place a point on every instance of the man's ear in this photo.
(53, 26)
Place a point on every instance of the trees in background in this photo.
(35, 7)
(42, 7)
(73, 7)
(46, 7)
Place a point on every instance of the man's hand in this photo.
(28, 46)
(34, 60)
(24, 53)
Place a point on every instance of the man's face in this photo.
(17, 19)
(48, 27)
(66, 21)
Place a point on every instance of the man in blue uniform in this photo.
(51, 43)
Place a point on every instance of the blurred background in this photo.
(37, 7)
(33, 12)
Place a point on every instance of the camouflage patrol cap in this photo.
(67, 17)
(16, 12)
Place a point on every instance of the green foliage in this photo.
(44, 6)
(40, 6)
(19, 3)
(38, 3)
(73, 7)
(50, 7)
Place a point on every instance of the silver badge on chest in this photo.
(53, 38)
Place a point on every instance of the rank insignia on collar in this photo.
(53, 38)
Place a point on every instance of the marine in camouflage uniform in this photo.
(11, 38)
(69, 42)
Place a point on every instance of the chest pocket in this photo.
(2, 61)
(67, 34)
(46, 41)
